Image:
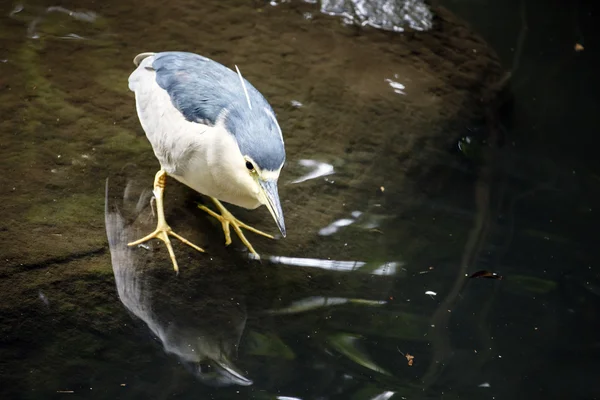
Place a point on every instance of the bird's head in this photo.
(260, 140)
(254, 157)
(264, 182)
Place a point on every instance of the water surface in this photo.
(415, 159)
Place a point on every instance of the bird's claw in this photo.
(227, 219)
(162, 233)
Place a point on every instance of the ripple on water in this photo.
(57, 22)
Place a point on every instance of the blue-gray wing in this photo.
(199, 88)
(203, 90)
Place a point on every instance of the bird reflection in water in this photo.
(200, 321)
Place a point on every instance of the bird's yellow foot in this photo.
(227, 219)
(163, 230)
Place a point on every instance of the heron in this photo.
(213, 131)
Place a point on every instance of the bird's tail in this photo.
(138, 59)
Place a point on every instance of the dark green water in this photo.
(393, 196)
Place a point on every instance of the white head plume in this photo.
(243, 86)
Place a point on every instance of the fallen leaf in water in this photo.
(408, 357)
(578, 47)
(486, 274)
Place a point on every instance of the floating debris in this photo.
(578, 47)
(486, 274)
(409, 358)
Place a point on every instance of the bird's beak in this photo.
(271, 200)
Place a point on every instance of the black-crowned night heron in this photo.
(211, 130)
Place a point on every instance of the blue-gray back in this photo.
(201, 89)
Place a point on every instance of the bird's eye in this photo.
(249, 166)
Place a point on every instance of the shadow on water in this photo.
(411, 165)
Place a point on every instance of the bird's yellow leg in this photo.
(163, 230)
(227, 219)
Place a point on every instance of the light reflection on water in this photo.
(397, 86)
(384, 396)
(368, 221)
(319, 169)
(316, 302)
(334, 226)
(388, 268)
